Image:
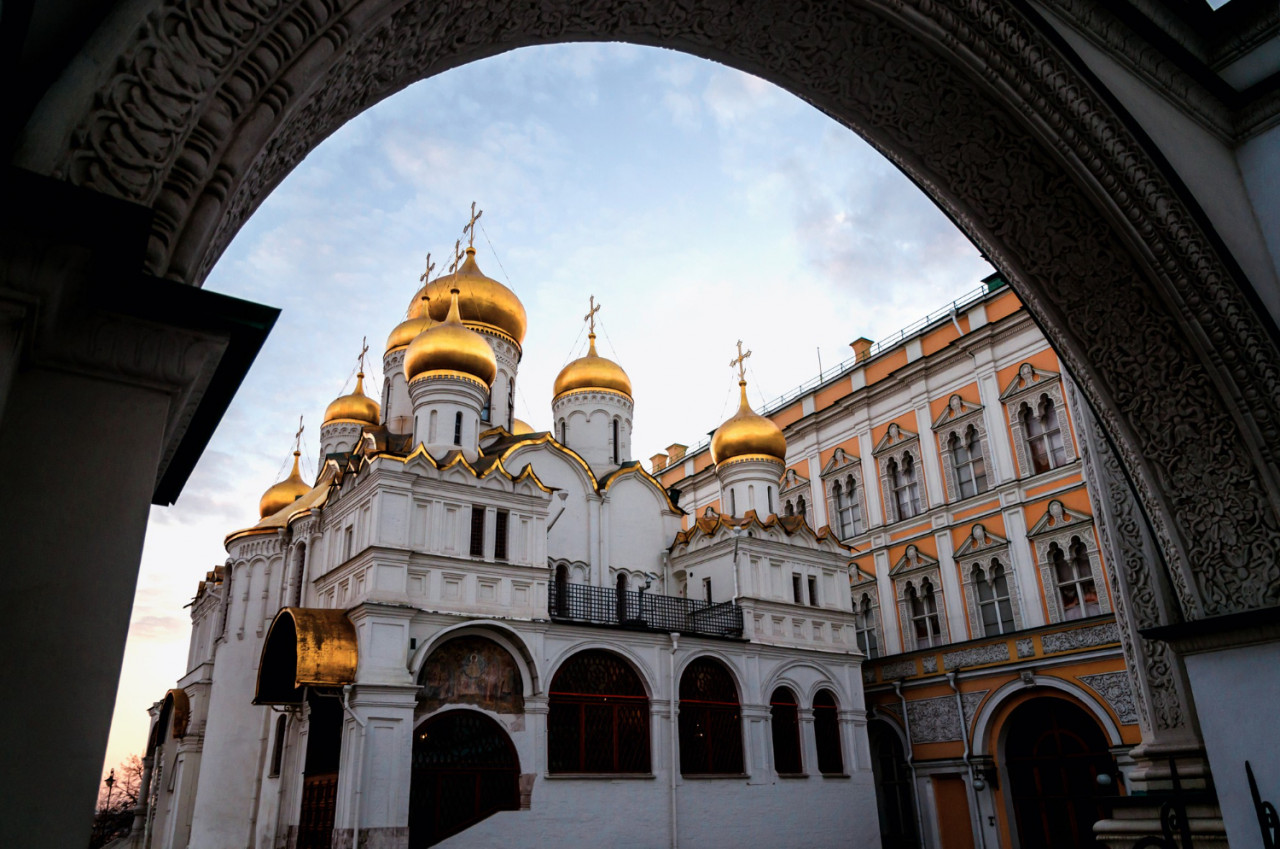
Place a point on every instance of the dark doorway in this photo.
(464, 769)
(1054, 753)
(320, 774)
(895, 797)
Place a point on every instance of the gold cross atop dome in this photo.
(470, 230)
(426, 275)
(740, 362)
(364, 349)
(297, 437)
(457, 256)
(590, 317)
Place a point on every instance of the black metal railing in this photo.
(643, 611)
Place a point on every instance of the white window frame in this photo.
(846, 472)
(911, 571)
(1024, 392)
(956, 418)
(792, 487)
(1059, 525)
(979, 551)
(866, 614)
(892, 452)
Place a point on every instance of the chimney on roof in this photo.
(659, 462)
(675, 452)
(861, 348)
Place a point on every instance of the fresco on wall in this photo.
(473, 671)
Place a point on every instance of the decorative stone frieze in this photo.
(936, 721)
(976, 656)
(1114, 689)
(1080, 638)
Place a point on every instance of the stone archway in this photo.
(195, 109)
(212, 103)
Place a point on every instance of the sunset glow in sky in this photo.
(698, 204)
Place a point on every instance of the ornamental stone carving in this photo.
(205, 105)
(976, 656)
(952, 426)
(1114, 689)
(1080, 638)
(936, 721)
(898, 669)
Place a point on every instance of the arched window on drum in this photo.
(598, 720)
(710, 720)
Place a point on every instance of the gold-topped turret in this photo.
(284, 493)
(356, 407)
(484, 304)
(746, 435)
(450, 347)
(592, 372)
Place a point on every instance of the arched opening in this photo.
(598, 720)
(1054, 753)
(464, 770)
(320, 772)
(826, 732)
(784, 725)
(472, 670)
(621, 596)
(895, 795)
(710, 720)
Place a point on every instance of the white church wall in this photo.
(638, 520)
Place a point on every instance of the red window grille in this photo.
(710, 720)
(784, 721)
(598, 721)
(826, 731)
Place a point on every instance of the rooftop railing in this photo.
(847, 365)
(643, 611)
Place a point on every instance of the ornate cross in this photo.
(297, 437)
(470, 229)
(426, 275)
(591, 314)
(740, 362)
(457, 256)
(364, 349)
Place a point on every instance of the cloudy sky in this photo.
(698, 204)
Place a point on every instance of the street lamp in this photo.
(110, 781)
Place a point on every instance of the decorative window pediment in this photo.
(894, 437)
(842, 483)
(990, 589)
(980, 541)
(956, 411)
(866, 612)
(912, 560)
(1037, 413)
(917, 581)
(962, 441)
(901, 474)
(1070, 564)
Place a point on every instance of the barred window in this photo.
(500, 535)
(477, 531)
(784, 721)
(864, 626)
(598, 719)
(968, 462)
(615, 441)
(710, 720)
(924, 615)
(994, 604)
(1044, 435)
(826, 731)
(1076, 589)
(906, 490)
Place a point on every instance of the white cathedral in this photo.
(466, 633)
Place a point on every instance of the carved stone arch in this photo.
(724, 659)
(200, 108)
(997, 704)
(648, 677)
(505, 636)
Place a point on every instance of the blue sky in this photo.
(698, 204)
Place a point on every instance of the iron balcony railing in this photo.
(643, 611)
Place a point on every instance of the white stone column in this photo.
(888, 604)
(808, 741)
(952, 592)
(870, 481)
(929, 459)
(1024, 568)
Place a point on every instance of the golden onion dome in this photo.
(519, 428)
(284, 493)
(483, 303)
(406, 331)
(592, 372)
(747, 435)
(451, 347)
(356, 407)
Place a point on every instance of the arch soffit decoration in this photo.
(206, 110)
(503, 635)
(646, 675)
(996, 707)
(784, 676)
